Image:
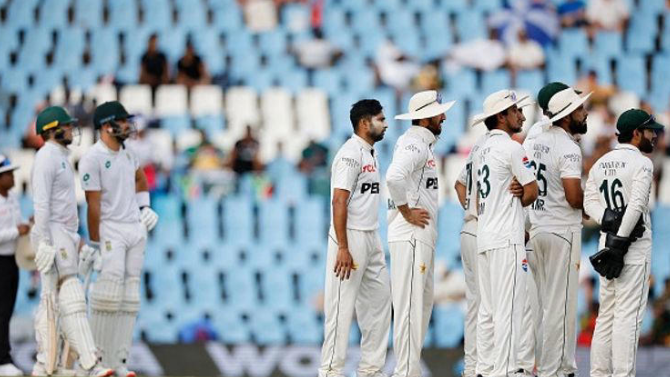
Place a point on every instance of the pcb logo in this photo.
(524, 265)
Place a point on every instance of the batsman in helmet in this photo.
(62, 301)
(119, 218)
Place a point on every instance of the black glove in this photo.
(612, 221)
(615, 248)
(599, 261)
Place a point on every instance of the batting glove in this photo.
(149, 218)
(88, 257)
(45, 257)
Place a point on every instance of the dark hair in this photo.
(492, 121)
(625, 137)
(365, 108)
(416, 122)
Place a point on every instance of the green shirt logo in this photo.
(108, 164)
(86, 177)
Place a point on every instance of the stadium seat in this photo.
(312, 112)
(203, 220)
(238, 218)
(631, 74)
(191, 14)
(88, 13)
(20, 14)
(276, 285)
(231, 327)
(171, 100)
(609, 44)
(495, 80)
(240, 288)
(137, 99)
(273, 222)
(241, 108)
(470, 25)
(277, 112)
(572, 43)
(123, 14)
(53, 13)
(206, 100)
(303, 326)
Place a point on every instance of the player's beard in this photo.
(377, 131)
(646, 145)
(577, 127)
(435, 125)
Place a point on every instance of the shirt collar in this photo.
(499, 132)
(107, 149)
(58, 147)
(362, 142)
(628, 146)
(563, 131)
(423, 133)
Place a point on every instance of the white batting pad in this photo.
(106, 296)
(74, 324)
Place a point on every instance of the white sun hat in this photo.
(496, 103)
(6, 165)
(564, 103)
(426, 104)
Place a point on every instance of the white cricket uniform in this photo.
(473, 356)
(56, 223)
(555, 235)
(10, 218)
(412, 179)
(55, 204)
(619, 178)
(367, 291)
(122, 243)
(502, 263)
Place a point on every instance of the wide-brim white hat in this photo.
(6, 165)
(564, 103)
(498, 102)
(426, 104)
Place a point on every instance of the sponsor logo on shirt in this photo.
(372, 187)
(430, 163)
(524, 265)
(86, 177)
(108, 164)
(431, 183)
(526, 162)
(369, 168)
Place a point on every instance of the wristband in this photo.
(143, 199)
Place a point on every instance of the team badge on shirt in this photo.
(108, 164)
(86, 177)
(63, 253)
(108, 245)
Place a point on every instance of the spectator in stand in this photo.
(394, 68)
(317, 52)
(610, 15)
(314, 164)
(154, 69)
(482, 54)
(244, 157)
(601, 93)
(191, 70)
(526, 54)
(572, 13)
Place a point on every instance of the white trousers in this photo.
(366, 292)
(122, 247)
(469, 259)
(412, 269)
(622, 304)
(555, 264)
(502, 276)
(529, 349)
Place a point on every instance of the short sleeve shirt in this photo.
(500, 214)
(112, 173)
(355, 170)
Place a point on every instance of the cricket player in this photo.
(119, 218)
(56, 225)
(620, 182)
(356, 275)
(412, 234)
(11, 228)
(556, 226)
(502, 263)
(466, 190)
